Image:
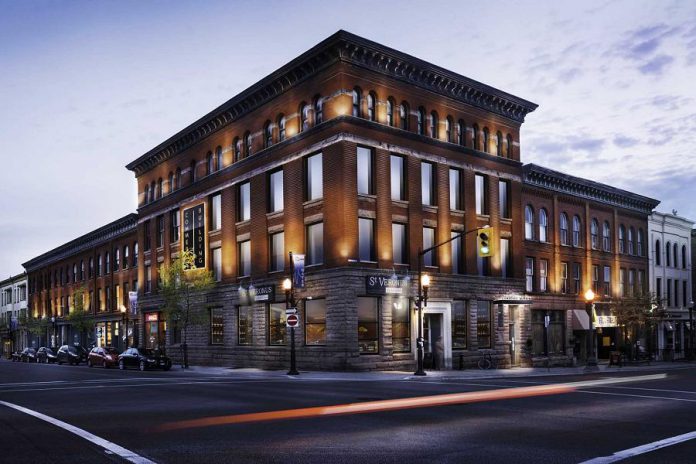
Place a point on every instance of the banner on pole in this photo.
(298, 267)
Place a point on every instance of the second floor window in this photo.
(277, 243)
(245, 258)
(528, 223)
(244, 202)
(315, 243)
(427, 184)
(543, 225)
(175, 226)
(428, 241)
(365, 171)
(399, 248)
(314, 176)
(576, 231)
(504, 199)
(564, 229)
(216, 212)
(481, 185)
(455, 185)
(594, 234)
(160, 231)
(529, 274)
(543, 275)
(607, 281)
(398, 178)
(606, 237)
(366, 239)
(275, 193)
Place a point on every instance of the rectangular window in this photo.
(277, 329)
(398, 178)
(365, 185)
(595, 278)
(529, 274)
(505, 261)
(160, 231)
(108, 299)
(684, 291)
(669, 293)
(399, 248)
(366, 242)
(455, 189)
(460, 317)
(556, 332)
(607, 281)
(427, 184)
(632, 282)
(244, 212)
(245, 258)
(148, 278)
(564, 278)
(504, 199)
(245, 325)
(676, 293)
(217, 326)
(483, 323)
(175, 229)
(658, 289)
(216, 263)
(428, 241)
(277, 243)
(481, 184)
(543, 275)
(216, 212)
(315, 322)
(622, 282)
(368, 325)
(147, 244)
(119, 302)
(315, 185)
(275, 192)
(315, 243)
(456, 247)
(401, 326)
(101, 305)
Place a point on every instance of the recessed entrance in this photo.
(437, 336)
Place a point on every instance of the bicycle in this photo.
(487, 361)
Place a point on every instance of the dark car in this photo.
(71, 354)
(46, 355)
(28, 355)
(144, 359)
(16, 356)
(103, 356)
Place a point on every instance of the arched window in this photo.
(90, 270)
(153, 190)
(528, 222)
(594, 234)
(658, 253)
(622, 239)
(460, 132)
(82, 269)
(281, 128)
(209, 163)
(117, 259)
(683, 257)
(675, 254)
(357, 96)
(606, 237)
(107, 263)
(390, 111)
(475, 137)
(543, 225)
(170, 183)
(267, 134)
(192, 175)
(639, 243)
(564, 229)
(126, 256)
(434, 125)
(631, 243)
(486, 140)
(177, 179)
(577, 226)
(99, 265)
(371, 110)
(146, 196)
(509, 146)
(318, 110)
(448, 129)
(247, 145)
(499, 143)
(668, 258)
(403, 115)
(237, 149)
(420, 121)
(160, 184)
(135, 255)
(218, 158)
(304, 116)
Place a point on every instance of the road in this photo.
(142, 413)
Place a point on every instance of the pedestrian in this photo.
(438, 354)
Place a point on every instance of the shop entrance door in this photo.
(437, 335)
(512, 332)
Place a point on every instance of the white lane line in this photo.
(107, 445)
(629, 395)
(631, 452)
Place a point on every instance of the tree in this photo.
(80, 318)
(636, 313)
(181, 283)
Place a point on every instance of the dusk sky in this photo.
(86, 87)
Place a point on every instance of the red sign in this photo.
(292, 320)
(151, 317)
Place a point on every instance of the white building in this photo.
(13, 301)
(670, 280)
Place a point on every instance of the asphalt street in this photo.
(130, 410)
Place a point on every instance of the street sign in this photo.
(289, 311)
(293, 320)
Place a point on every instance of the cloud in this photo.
(624, 142)
(656, 65)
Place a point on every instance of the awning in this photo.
(581, 321)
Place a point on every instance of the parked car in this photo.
(103, 356)
(71, 354)
(28, 355)
(46, 355)
(16, 356)
(144, 359)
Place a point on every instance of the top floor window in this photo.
(135, 255)
(606, 237)
(668, 258)
(543, 225)
(683, 257)
(475, 137)
(509, 146)
(318, 110)
(403, 115)
(117, 259)
(486, 140)
(434, 125)
(499, 143)
(304, 115)
(218, 158)
(576, 231)
(371, 102)
(594, 234)
(177, 179)
(564, 229)
(192, 169)
(639, 242)
(126, 256)
(357, 96)
(210, 164)
(281, 128)
(675, 253)
(622, 239)
(267, 134)
(390, 111)
(107, 263)
(170, 183)
(420, 121)
(528, 223)
(237, 149)
(631, 243)
(247, 145)
(658, 253)
(460, 132)
(448, 129)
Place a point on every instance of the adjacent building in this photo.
(13, 308)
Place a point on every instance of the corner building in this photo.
(357, 156)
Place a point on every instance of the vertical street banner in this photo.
(298, 271)
(133, 300)
(194, 233)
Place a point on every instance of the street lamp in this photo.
(591, 365)
(421, 301)
(124, 319)
(53, 321)
(290, 303)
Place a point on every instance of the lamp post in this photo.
(290, 303)
(53, 322)
(124, 320)
(691, 331)
(591, 365)
(422, 300)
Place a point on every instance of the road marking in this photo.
(107, 445)
(401, 403)
(631, 452)
(649, 397)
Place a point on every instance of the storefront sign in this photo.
(298, 276)
(265, 293)
(606, 321)
(151, 317)
(381, 285)
(194, 233)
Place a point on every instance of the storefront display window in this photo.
(315, 324)
(245, 325)
(556, 332)
(483, 324)
(401, 325)
(368, 325)
(217, 326)
(459, 325)
(277, 331)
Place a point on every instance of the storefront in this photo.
(155, 332)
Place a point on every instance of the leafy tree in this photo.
(636, 314)
(80, 318)
(181, 283)
(34, 325)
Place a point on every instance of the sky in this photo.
(88, 86)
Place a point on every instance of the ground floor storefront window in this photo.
(460, 315)
(277, 329)
(245, 325)
(556, 332)
(155, 331)
(315, 322)
(401, 325)
(368, 325)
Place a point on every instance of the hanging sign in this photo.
(194, 233)
(133, 300)
(298, 268)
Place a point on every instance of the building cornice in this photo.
(12, 280)
(348, 48)
(98, 236)
(549, 179)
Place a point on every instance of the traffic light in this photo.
(485, 242)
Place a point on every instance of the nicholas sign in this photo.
(382, 285)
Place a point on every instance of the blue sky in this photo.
(86, 87)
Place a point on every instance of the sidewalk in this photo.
(467, 374)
